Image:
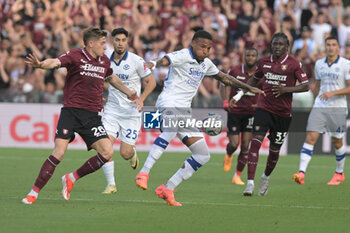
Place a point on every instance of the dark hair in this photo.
(280, 35)
(253, 49)
(332, 38)
(202, 34)
(118, 31)
(93, 33)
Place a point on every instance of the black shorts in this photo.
(86, 123)
(237, 123)
(277, 125)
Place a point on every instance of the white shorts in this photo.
(126, 128)
(330, 120)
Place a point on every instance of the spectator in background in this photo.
(4, 77)
(305, 41)
(343, 29)
(320, 27)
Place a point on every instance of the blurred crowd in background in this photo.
(49, 28)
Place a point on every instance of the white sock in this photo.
(264, 176)
(33, 193)
(250, 182)
(71, 177)
(305, 156)
(108, 170)
(340, 159)
(181, 175)
(154, 154)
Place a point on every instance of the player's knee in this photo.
(245, 146)
(337, 143)
(200, 152)
(127, 153)
(106, 153)
(58, 153)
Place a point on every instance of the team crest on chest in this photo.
(126, 67)
(203, 66)
(284, 67)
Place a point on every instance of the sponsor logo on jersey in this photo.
(196, 74)
(90, 67)
(123, 76)
(275, 77)
(329, 75)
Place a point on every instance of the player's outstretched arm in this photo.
(115, 81)
(155, 64)
(233, 82)
(280, 90)
(149, 85)
(50, 63)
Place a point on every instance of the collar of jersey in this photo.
(336, 61)
(89, 57)
(123, 58)
(190, 49)
(281, 60)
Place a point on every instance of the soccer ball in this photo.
(213, 124)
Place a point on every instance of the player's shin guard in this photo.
(305, 156)
(253, 157)
(157, 149)
(340, 159)
(199, 157)
(271, 161)
(46, 171)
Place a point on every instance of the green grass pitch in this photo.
(210, 202)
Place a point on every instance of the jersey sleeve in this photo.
(175, 58)
(259, 74)
(66, 59)
(317, 71)
(212, 69)
(300, 74)
(141, 68)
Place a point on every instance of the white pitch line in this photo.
(196, 203)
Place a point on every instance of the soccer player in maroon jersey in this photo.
(87, 68)
(280, 73)
(240, 116)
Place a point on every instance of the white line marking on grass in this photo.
(196, 203)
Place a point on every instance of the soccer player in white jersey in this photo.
(122, 117)
(329, 111)
(187, 69)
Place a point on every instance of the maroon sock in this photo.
(230, 149)
(90, 166)
(271, 161)
(242, 160)
(46, 171)
(253, 157)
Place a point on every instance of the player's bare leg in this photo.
(104, 151)
(230, 149)
(47, 170)
(305, 156)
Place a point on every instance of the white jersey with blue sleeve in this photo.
(183, 79)
(332, 77)
(130, 69)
